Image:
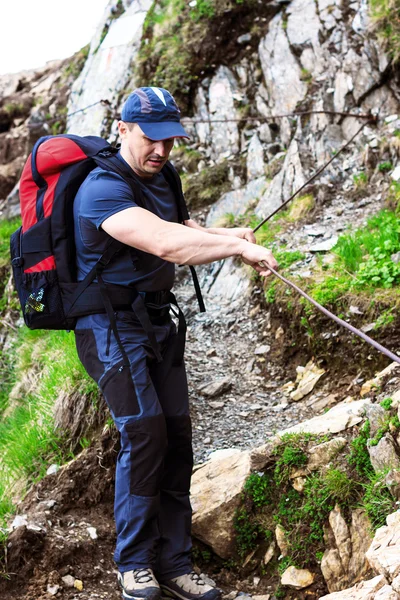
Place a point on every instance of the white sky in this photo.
(36, 31)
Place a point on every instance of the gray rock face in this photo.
(255, 158)
(106, 71)
(216, 102)
(383, 455)
(344, 562)
(237, 201)
(289, 178)
(282, 73)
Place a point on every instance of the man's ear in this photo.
(122, 129)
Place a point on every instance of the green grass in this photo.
(377, 502)
(386, 18)
(6, 229)
(359, 457)
(28, 439)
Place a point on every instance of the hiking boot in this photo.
(139, 584)
(190, 587)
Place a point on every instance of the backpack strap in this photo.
(174, 181)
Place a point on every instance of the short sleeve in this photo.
(104, 194)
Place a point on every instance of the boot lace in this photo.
(142, 576)
(196, 578)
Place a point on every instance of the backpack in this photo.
(43, 248)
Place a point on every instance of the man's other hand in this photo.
(259, 258)
(245, 233)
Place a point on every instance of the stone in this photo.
(236, 202)
(324, 246)
(375, 414)
(53, 589)
(298, 484)
(216, 494)
(269, 553)
(297, 579)
(231, 284)
(384, 551)
(344, 562)
(243, 39)
(265, 349)
(395, 175)
(78, 584)
(286, 182)
(53, 469)
(366, 590)
(322, 454)
(384, 456)
(280, 536)
(216, 388)
(68, 581)
(377, 380)
(255, 159)
(225, 138)
(217, 404)
(307, 378)
(340, 417)
(92, 533)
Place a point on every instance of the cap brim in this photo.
(163, 130)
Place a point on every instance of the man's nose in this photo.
(160, 148)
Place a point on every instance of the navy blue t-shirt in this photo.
(103, 194)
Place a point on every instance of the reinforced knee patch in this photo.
(148, 442)
(179, 457)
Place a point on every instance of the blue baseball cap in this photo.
(155, 111)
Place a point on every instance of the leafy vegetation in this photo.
(34, 370)
(386, 17)
(378, 503)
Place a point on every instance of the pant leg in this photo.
(175, 515)
(135, 407)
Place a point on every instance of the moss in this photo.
(181, 43)
(206, 187)
(359, 456)
(386, 18)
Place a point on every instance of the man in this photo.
(147, 396)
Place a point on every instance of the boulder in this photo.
(344, 562)
(297, 579)
(216, 494)
(384, 456)
(373, 589)
(342, 416)
(384, 551)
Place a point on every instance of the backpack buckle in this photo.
(105, 153)
(18, 261)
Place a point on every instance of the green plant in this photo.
(386, 18)
(359, 456)
(360, 179)
(290, 453)
(386, 403)
(385, 166)
(247, 532)
(204, 9)
(259, 488)
(378, 503)
(385, 318)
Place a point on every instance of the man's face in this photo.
(145, 156)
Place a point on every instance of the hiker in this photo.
(137, 359)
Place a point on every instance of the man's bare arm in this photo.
(244, 233)
(179, 244)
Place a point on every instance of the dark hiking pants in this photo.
(149, 404)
